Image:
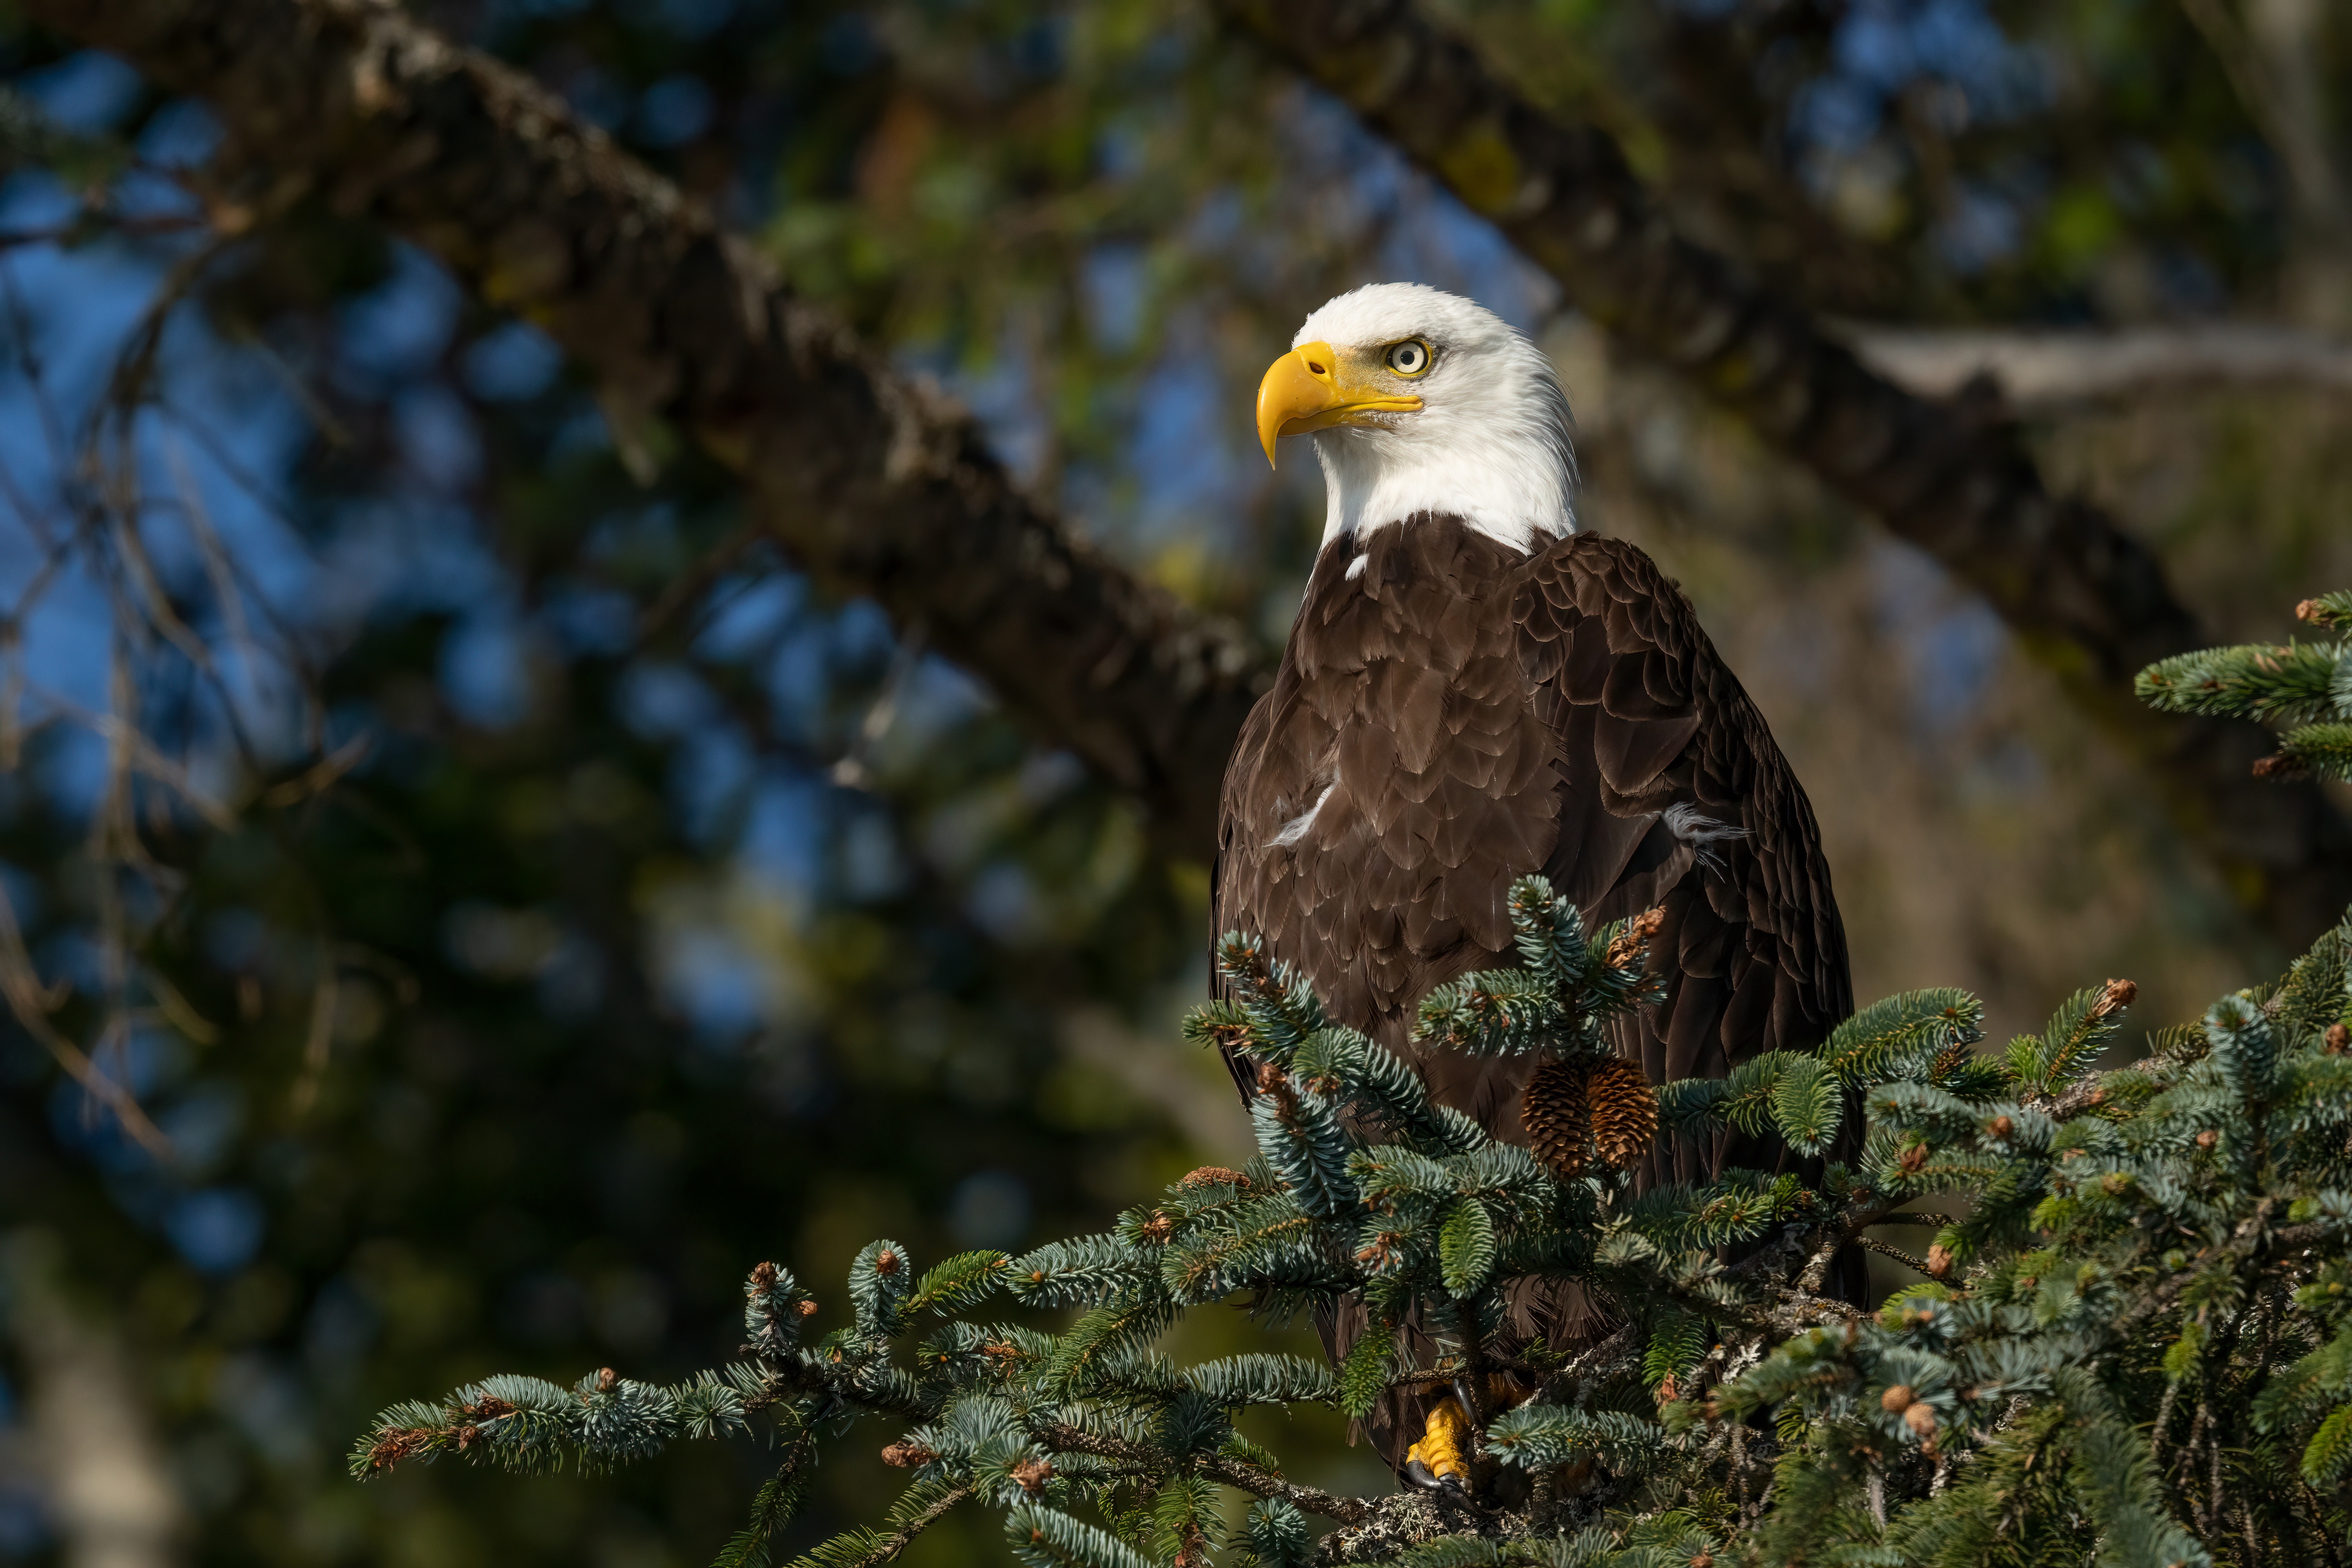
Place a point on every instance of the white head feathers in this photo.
(1490, 442)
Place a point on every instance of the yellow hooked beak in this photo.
(1304, 390)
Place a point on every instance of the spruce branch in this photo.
(1236, 1473)
(2134, 1328)
(2303, 690)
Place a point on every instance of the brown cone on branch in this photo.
(1552, 1109)
(1624, 1112)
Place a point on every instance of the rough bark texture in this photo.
(869, 482)
(2087, 599)
(874, 487)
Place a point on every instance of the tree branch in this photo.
(2087, 599)
(876, 487)
(1235, 1473)
(872, 484)
(904, 1536)
(2037, 370)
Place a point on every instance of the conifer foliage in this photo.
(2130, 1342)
(2304, 689)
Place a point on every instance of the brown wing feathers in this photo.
(1449, 715)
(1374, 821)
(1751, 952)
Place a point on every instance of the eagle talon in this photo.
(1441, 1460)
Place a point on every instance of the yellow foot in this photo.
(1442, 1458)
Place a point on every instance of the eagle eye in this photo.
(1409, 358)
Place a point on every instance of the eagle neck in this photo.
(1514, 485)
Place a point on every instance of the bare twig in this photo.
(853, 771)
(32, 1003)
(898, 1540)
(1917, 1265)
(326, 992)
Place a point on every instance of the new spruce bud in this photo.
(905, 1454)
(1897, 1399)
(1999, 1127)
(608, 1380)
(1275, 1083)
(395, 1444)
(886, 1262)
(1032, 1475)
(2338, 1039)
(1921, 1419)
(1636, 937)
(2207, 1139)
(1939, 1260)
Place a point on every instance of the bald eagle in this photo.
(1475, 690)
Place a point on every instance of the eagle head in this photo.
(1423, 402)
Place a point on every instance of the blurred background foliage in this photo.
(521, 901)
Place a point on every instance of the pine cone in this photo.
(1551, 1108)
(1624, 1112)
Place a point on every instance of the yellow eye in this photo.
(1409, 358)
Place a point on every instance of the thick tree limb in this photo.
(2037, 370)
(2087, 599)
(869, 482)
